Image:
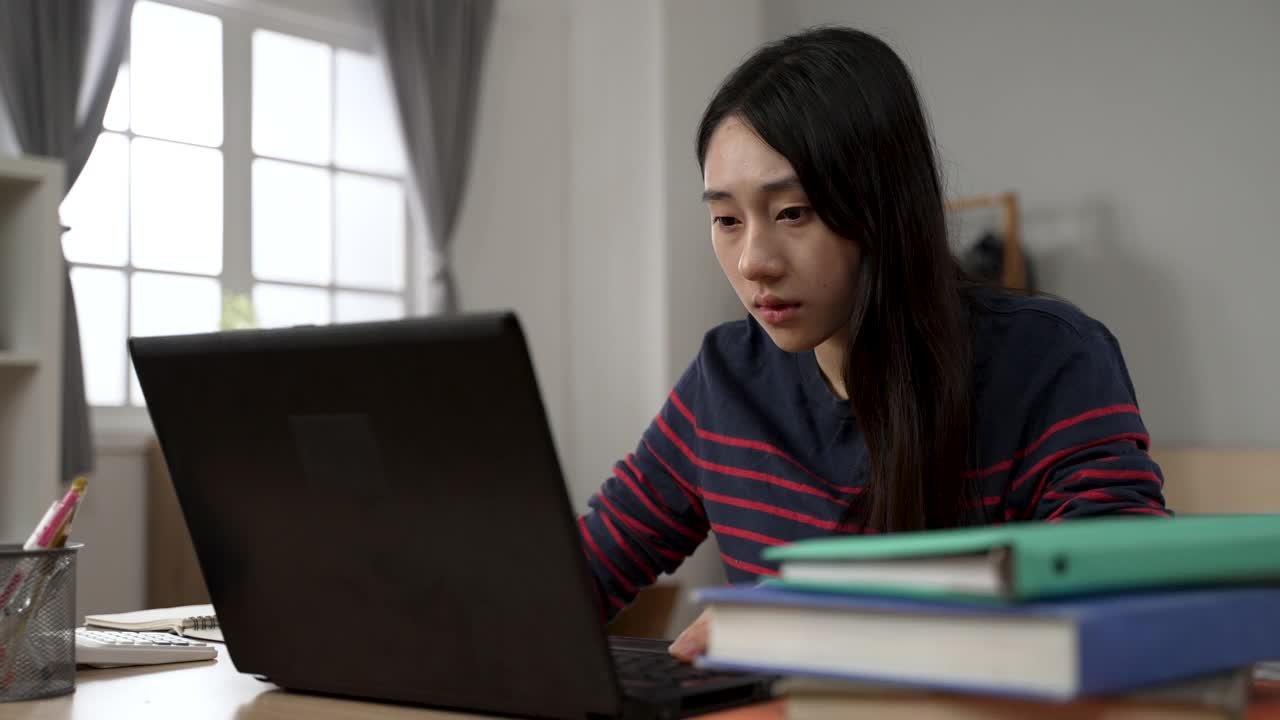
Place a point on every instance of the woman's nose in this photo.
(760, 260)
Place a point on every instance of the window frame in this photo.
(127, 427)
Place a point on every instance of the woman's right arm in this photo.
(648, 517)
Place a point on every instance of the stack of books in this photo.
(1110, 617)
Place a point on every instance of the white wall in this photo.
(1141, 137)
(614, 255)
(509, 249)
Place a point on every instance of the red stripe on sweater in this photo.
(986, 501)
(752, 444)
(1029, 510)
(662, 515)
(690, 492)
(1103, 474)
(781, 512)
(650, 572)
(1056, 428)
(1048, 460)
(639, 527)
(757, 569)
(739, 472)
(627, 519)
(595, 583)
(1057, 493)
(613, 570)
(1100, 495)
(1143, 511)
(695, 504)
(746, 535)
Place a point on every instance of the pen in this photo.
(56, 518)
(61, 538)
(51, 524)
(51, 531)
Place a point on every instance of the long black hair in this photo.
(841, 107)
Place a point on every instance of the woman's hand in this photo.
(693, 641)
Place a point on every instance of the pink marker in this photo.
(56, 517)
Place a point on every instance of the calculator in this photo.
(116, 648)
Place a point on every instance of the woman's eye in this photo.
(794, 213)
(725, 220)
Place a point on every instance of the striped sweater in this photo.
(752, 445)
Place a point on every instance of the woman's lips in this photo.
(778, 313)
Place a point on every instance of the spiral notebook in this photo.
(193, 621)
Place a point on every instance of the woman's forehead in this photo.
(736, 156)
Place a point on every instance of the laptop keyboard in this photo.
(642, 669)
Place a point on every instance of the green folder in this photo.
(1026, 561)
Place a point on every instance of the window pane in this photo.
(117, 117)
(370, 232)
(100, 301)
(292, 97)
(283, 305)
(172, 305)
(292, 226)
(97, 208)
(176, 197)
(176, 68)
(364, 307)
(368, 134)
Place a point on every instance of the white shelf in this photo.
(31, 296)
(18, 360)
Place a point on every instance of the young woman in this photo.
(872, 388)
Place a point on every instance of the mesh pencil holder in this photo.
(37, 622)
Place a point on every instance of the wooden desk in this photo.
(213, 690)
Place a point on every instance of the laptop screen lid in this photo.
(378, 511)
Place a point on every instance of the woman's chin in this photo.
(792, 340)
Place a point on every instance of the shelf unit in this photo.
(31, 306)
(17, 361)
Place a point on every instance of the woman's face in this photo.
(791, 271)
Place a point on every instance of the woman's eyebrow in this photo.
(791, 182)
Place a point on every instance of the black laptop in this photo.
(378, 512)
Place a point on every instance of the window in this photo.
(244, 158)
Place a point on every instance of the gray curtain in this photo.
(58, 63)
(433, 51)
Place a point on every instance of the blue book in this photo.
(1055, 650)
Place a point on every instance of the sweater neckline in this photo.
(815, 385)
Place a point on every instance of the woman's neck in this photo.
(830, 355)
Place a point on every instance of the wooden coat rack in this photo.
(1014, 273)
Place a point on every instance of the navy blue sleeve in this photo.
(648, 517)
(1085, 445)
